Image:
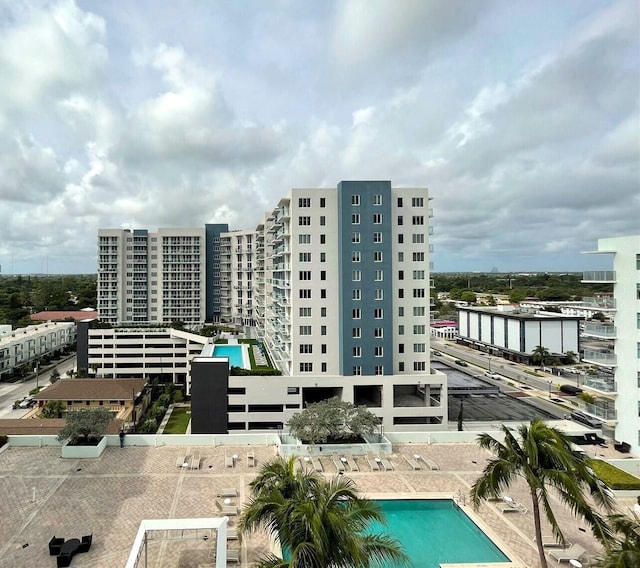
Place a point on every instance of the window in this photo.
(323, 275)
(355, 237)
(637, 261)
(377, 313)
(305, 330)
(419, 366)
(356, 332)
(399, 201)
(400, 293)
(323, 330)
(378, 333)
(400, 274)
(400, 220)
(323, 294)
(418, 329)
(419, 311)
(355, 314)
(305, 275)
(378, 370)
(323, 367)
(377, 238)
(378, 276)
(638, 321)
(400, 312)
(400, 257)
(377, 256)
(357, 370)
(304, 257)
(356, 294)
(356, 276)
(304, 221)
(377, 199)
(418, 293)
(401, 348)
(357, 351)
(355, 219)
(378, 294)
(323, 312)
(323, 257)
(304, 202)
(417, 220)
(417, 238)
(305, 312)
(323, 239)
(419, 348)
(305, 293)
(355, 256)
(323, 220)
(400, 238)
(355, 200)
(417, 202)
(418, 274)
(293, 390)
(377, 218)
(323, 202)
(378, 351)
(306, 348)
(401, 366)
(306, 367)
(418, 257)
(323, 348)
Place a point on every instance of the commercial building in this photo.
(618, 366)
(334, 282)
(28, 344)
(515, 334)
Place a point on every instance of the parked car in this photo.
(26, 403)
(570, 389)
(586, 419)
(460, 362)
(437, 353)
(491, 375)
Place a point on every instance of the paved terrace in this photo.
(44, 495)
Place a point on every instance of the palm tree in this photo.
(541, 354)
(318, 523)
(543, 457)
(624, 552)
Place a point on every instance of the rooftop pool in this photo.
(235, 354)
(435, 531)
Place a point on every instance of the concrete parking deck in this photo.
(44, 495)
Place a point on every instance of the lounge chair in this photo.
(574, 552)
(413, 463)
(182, 459)
(508, 505)
(230, 510)
(85, 543)
(54, 546)
(251, 459)
(316, 464)
(550, 541)
(63, 560)
(228, 492)
(374, 464)
(233, 555)
(433, 466)
(228, 461)
(195, 460)
(337, 462)
(232, 534)
(386, 463)
(352, 462)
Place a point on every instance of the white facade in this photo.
(624, 361)
(237, 257)
(151, 277)
(28, 344)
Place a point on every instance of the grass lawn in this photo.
(614, 477)
(178, 421)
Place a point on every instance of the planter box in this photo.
(76, 452)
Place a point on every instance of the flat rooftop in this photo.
(44, 495)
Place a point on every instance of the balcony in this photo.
(599, 276)
(602, 383)
(606, 359)
(603, 412)
(602, 331)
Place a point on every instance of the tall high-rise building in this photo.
(237, 257)
(618, 379)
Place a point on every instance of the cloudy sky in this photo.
(521, 117)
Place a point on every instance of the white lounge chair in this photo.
(251, 459)
(550, 541)
(433, 466)
(316, 464)
(574, 552)
(413, 463)
(352, 462)
(337, 462)
(232, 534)
(508, 505)
(195, 460)
(233, 555)
(228, 461)
(182, 459)
(230, 510)
(228, 492)
(374, 464)
(386, 463)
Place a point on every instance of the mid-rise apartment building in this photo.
(237, 271)
(618, 378)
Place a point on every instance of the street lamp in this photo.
(549, 389)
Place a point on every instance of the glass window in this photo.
(304, 221)
(377, 199)
(355, 237)
(357, 351)
(377, 256)
(378, 370)
(378, 294)
(357, 370)
(356, 276)
(304, 202)
(304, 239)
(355, 219)
(355, 256)
(377, 219)
(355, 200)
(378, 276)
(356, 333)
(356, 294)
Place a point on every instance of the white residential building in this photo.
(237, 252)
(620, 366)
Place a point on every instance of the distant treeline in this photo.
(21, 296)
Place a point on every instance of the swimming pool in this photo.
(231, 352)
(435, 531)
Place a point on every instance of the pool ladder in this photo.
(460, 497)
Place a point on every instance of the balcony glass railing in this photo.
(603, 383)
(603, 412)
(599, 276)
(600, 330)
(607, 359)
(601, 303)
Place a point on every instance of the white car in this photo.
(491, 375)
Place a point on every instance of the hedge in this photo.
(614, 477)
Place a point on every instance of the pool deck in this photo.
(44, 495)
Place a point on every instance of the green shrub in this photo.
(587, 397)
(164, 400)
(614, 477)
(178, 396)
(260, 371)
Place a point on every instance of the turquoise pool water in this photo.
(232, 352)
(436, 531)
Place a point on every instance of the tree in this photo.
(544, 458)
(460, 418)
(468, 296)
(55, 376)
(599, 316)
(332, 419)
(318, 523)
(84, 425)
(570, 357)
(52, 409)
(624, 551)
(541, 354)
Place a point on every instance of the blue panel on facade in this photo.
(365, 245)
